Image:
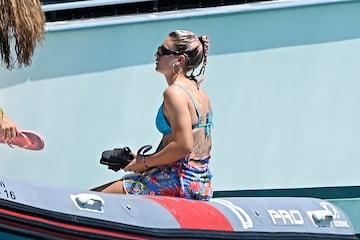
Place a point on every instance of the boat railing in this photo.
(87, 4)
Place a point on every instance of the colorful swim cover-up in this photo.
(179, 179)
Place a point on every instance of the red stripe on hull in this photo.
(192, 214)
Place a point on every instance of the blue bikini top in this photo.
(164, 127)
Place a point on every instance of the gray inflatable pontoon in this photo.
(30, 211)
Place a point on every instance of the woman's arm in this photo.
(8, 128)
(181, 142)
(176, 110)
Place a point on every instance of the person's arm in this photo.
(8, 128)
(178, 114)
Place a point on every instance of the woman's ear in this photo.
(181, 59)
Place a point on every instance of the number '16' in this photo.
(10, 194)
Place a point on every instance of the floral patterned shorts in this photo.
(179, 179)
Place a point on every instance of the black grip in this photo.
(117, 159)
(144, 149)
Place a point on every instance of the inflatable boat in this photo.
(29, 211)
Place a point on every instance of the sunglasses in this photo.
(162, 50)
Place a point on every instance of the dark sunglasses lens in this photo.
(164, 51)
(160, 51)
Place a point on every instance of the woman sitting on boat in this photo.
(179, 167)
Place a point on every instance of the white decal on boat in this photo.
(286, 217)
(327, 216)
(240, 213)
(336, 217)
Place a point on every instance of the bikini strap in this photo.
(208, 123)
(192, 99)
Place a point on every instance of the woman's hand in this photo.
(8, 129)
(136, 165)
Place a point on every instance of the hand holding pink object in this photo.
(25, 139)
(8, 128)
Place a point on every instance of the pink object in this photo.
(27, 140)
